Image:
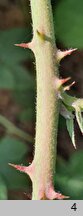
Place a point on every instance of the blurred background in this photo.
(18, 97)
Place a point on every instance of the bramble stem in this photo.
(47, 109)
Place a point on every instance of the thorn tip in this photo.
(23, 45)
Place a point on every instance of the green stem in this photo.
(47, 109)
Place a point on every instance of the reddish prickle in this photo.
(51, 194)
(23, 45)
(19, 167)
(59, 82)
(29, 45)
(29, 170)
(62, 54)
(63, 81)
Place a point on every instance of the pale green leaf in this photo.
(71, 101)
(70, 128)
(65, 112)
(79, 119)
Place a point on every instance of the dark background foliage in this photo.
(18, 93)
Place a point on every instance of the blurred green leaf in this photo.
(61, 167)
(12, 151)
(75, 164)
(16, 180)
(68, 18)
(72, 187)
(3, 189)
(27, 115)
(25, 98)
(9, 53)
(69, 176)
(13, 74)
